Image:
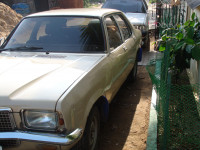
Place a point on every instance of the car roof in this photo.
(91, 12)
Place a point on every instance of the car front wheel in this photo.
(90, 137)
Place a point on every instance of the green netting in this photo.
(178, 107)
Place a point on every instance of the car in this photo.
(137, 13)
(59, 71)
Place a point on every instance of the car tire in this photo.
(90, 138)
(133, 74)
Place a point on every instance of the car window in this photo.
(114, 36)
(59, 34)
(126, 31)
(126, 7)
(24, 36)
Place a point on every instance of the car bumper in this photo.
(35, 138)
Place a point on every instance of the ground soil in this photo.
(127, 126)
(8, 19)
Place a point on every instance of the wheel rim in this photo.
(93, 133)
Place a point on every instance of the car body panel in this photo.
(81, 102)
(90, 12)
(24, 79)
(69, 84)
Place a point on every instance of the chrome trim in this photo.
(5, 109)
(26, 136)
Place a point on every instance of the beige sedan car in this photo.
(59, 70)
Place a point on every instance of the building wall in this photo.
(195, 65)
(70, 3)
(53, 4)
(29, 2)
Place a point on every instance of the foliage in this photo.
(183, 42)
(87, 3)
(152, 1)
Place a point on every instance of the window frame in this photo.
(106, 32)
(128, 27)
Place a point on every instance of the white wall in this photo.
(194, 65)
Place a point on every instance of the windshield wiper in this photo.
(21, 48)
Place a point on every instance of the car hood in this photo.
(137, 18)
(36, 81)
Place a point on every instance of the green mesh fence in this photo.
(178, 107)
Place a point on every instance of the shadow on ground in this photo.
(129, 114)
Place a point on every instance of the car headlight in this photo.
(40, 120)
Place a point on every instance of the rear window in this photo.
(126, 7)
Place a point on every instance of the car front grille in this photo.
(9, 143)
(6, 120)
(7, 124)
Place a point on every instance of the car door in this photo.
(116, 56)
(129, 45)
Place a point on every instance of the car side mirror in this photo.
(2, 39)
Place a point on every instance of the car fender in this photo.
(75, 104)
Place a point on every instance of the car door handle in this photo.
(125, 48)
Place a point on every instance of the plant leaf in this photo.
(197, 20)
(162, 47)
(179, 35)
(164, 37)
(192, 23)
(198, 43)
(154, 43)
(186, 23)
(196, 52)
(189, 48)
(189, 41)
(198, 34)
(193, 16)
(179, 45)
(190, 32)
(173, 42)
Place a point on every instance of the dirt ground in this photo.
(8, 19)
(127, 126)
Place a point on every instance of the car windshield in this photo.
(58, 34)
(126, 7)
